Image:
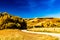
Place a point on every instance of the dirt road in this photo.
(52, 34)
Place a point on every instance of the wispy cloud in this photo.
(56, 15)
(52, 1)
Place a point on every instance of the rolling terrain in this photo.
(11, 27)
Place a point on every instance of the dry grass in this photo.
(10, 34)
(53, 30)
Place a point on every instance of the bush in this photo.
(9, 21)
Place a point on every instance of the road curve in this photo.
(52, 34)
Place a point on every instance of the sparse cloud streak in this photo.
(53, 15)
(30, 7)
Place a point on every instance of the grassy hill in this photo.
(10, 27)
(15, 22)
(43, 23)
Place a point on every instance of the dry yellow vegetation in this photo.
(9, 25)
(51, 30)
(15, 34)
(43, 22)
(11, 21)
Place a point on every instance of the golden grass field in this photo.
(15, 34)
(53, 30)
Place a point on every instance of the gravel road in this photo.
(52, 34)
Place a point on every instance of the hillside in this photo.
(43, 22)
(11, 26)
(8, 21)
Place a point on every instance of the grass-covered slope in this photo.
(15, 34)
(50, 30)
(10, 25)
(15, 22)
(43, 23)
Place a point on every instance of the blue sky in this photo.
(31, 8)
